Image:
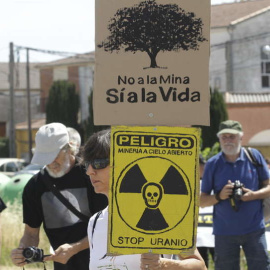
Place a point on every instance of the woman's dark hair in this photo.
(97, 146)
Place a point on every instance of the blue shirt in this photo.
(249, 217)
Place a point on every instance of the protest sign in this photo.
(152, 61)
(153, 200)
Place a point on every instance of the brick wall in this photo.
(73, 76)
(2, 129)
(46, 81)
(254, 117)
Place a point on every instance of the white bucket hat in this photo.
(50, 139)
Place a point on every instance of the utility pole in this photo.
(229, 62)
(28, 105)
(12, 137)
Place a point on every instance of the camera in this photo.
(237, 191)
(33, 254)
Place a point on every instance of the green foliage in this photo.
(11, 231)
(89, 126)
(208, 152)
(218, 113)
(63, 104)
(4, 147)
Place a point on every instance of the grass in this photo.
(11, 231)
(243, 263)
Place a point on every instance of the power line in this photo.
(61, 53)
(245, 39)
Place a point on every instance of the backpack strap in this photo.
(94, 225)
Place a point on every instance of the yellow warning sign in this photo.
(154, 190)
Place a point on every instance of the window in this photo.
(217, 83)
(11, 167)
(265, 68)
(60, 73)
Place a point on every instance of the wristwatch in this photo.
(217, 197)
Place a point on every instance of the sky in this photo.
(56, 25)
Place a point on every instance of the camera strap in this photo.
(47, 181)
(233, 204)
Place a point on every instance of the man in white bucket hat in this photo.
(65, 229)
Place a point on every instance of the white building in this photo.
(240, 33)
(20, 106)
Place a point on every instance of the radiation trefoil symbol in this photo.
(153, 195)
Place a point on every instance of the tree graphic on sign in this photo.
(151, 28)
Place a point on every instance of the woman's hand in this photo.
(150, 261)
(62, 254)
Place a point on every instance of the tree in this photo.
(218, 113)
(4, 147)
(151, 28)
(63, 104)
(89, 126)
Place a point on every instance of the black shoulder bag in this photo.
(62, 199)
(251, 157)
(266, 201)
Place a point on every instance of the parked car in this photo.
(30, 169)
(4, 179)
(9, 166)
(12, 190)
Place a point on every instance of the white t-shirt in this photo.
(98, 248)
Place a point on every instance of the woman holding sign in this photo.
(96, 153)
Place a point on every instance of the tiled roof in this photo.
(77, 59)
(247, 97)
(35, 124)
(19, 76)
(223, 15)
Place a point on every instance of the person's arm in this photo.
(208, 200)
(154, 262)
(192, 262)
(30, 238)
(263, 173)
(250, 195)
(66, 251)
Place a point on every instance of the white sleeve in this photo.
(90, 228)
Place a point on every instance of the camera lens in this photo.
(238, 194)
(28, 253)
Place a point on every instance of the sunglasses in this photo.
(97, 164)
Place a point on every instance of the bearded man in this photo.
(67, 233)
(239, 187)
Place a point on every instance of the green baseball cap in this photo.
(230, 126)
